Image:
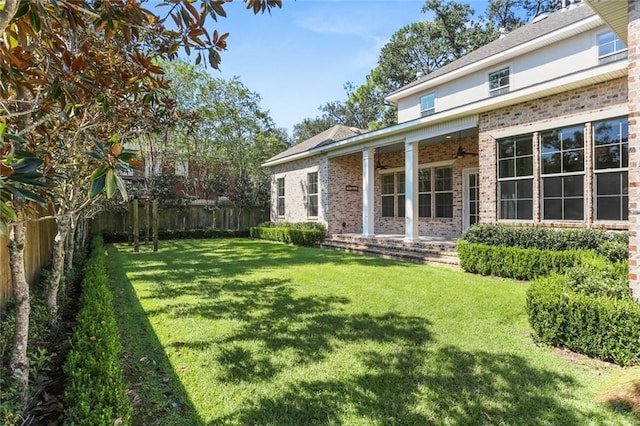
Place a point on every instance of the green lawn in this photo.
(252, 332)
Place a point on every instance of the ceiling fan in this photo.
(461, 153)
(379, 165)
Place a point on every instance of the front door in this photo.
(470, 198)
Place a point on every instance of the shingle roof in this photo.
(329, 136)
(526, 33)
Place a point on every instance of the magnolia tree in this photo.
(80, 77)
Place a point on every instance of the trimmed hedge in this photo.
(597, 326)
(95, 391)
(302, 234)
(516, 262)
(177, 234)
(612, 245)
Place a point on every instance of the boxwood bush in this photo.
(95, 391)
(592, 324)
(516, 262)
(302, 234)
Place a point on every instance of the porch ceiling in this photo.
(452, 136)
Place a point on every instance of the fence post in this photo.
(155, 224)
(136, 226)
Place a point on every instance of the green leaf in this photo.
(122, 188)
(100, 171)
(35, 21)
(110, 183)
(97, 185)
(7, 212)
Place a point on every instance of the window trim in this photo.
(504, 88)
(429, 111)
(315, 194)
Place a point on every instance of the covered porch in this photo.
(410, 188)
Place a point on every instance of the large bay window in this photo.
(610, 164)
(515, 177)
(562, 170)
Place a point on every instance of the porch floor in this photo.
(428, 249)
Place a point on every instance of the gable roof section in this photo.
(329, 136)
(524, 34)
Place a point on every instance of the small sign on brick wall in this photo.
(353, 188)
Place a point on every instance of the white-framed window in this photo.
(424, 192)
(610, 168)
(515, 177)
(610, 48)
(443, 190)
(499, 82)
(428, 104)
(393, 194)
(562, 170)
(312, 194)
(280, 196)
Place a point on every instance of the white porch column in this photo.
(411, 229)
(368, 173)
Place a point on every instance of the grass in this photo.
(252, 332)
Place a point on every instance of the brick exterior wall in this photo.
(633, 44)
(295, 190)
(542, 111)
(345, 207)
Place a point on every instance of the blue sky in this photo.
(299, 57)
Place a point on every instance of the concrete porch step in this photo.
(423, 252)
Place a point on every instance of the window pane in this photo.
(313, 205)
(387, 184)
(444, 179)
(553, 209)
(625, 155)
(281, 187)
(573, 137)
(525, 188)
(573, 161)
(552, 187)
(444, 205)
(607, 157)
(524, 145)
(401, 183)
(573, 186)
(312, 179)
(428, 103)
(608, 184)
(606, 132)
(424, 205)
(505, 148)
(401, 206)
(507, 168)
(424, 180)
(550, 142)
(525, 210)
(551, 163)
(608, 208)
(387, 206)
(507, 190)
(573, 209)
(524, 166)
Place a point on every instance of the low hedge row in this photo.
(612, 245)
(594, 325)
(177, 234)
(95, 391)
(516, 262)
(302, 234)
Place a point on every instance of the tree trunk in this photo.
(19, 363)
(57, 263)
(71, 242)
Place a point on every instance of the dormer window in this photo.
(610, 48)
(499, 82)
(428, 104)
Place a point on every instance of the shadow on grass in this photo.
(156, 390)
(424, 387)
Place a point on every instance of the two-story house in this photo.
(533, 128)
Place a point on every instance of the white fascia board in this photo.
(578, 27)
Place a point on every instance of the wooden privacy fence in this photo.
(183, 217)
(37, 252)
